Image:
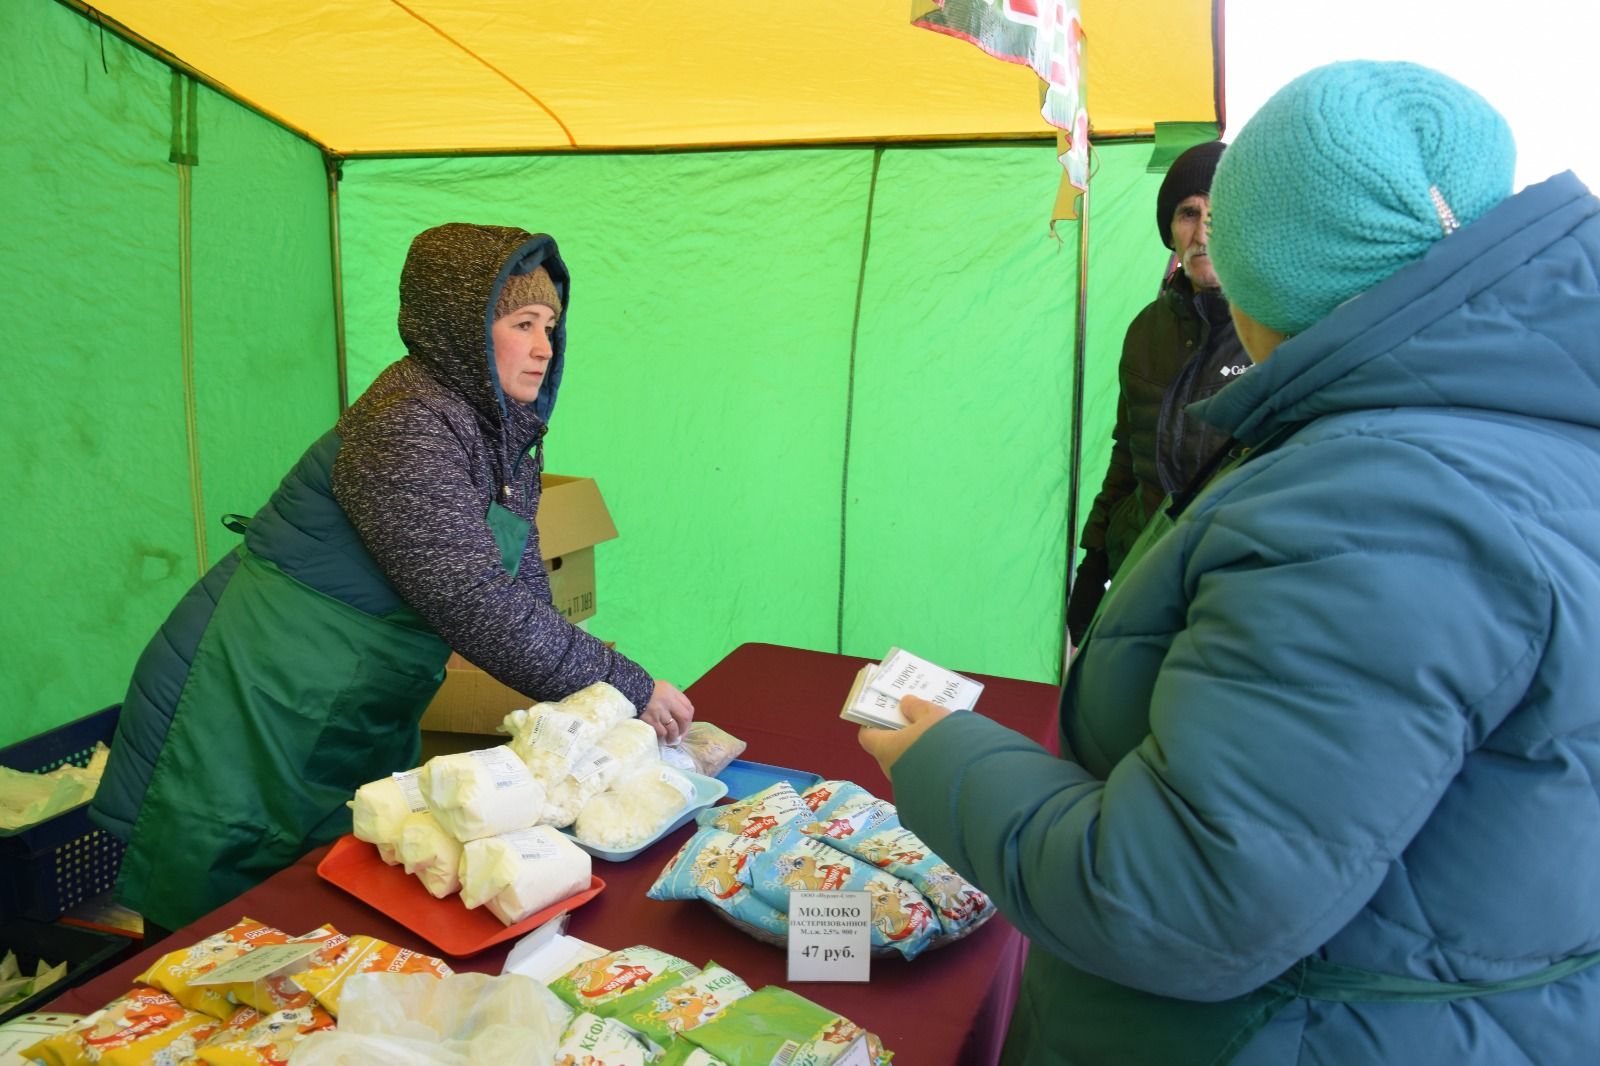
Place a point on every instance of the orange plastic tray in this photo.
(354, 866)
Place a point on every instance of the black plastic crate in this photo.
(85, 951)
(50, 868)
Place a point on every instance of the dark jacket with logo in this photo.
(1181, 348)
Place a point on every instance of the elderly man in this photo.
(1179, 349)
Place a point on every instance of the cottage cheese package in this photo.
(593, 773)
(602, 703)
(481, 793)
(636, 809)
(625, 749)
(521, 873)
(548, 738)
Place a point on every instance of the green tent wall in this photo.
(826, 391)
(100, 232)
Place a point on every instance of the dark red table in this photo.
(950, 1005)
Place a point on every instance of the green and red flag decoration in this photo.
(1046, 35)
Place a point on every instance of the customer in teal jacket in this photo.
(1333, 785)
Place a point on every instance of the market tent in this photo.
(431, 76)
(825, 388)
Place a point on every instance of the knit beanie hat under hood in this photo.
(1344, 176)
(1189, 175)
(520, 290)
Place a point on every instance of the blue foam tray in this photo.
(746, 778)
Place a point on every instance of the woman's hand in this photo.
(669, 712)
(887, 745)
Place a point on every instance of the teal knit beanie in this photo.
(1344, 176)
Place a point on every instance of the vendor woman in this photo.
(298, 667)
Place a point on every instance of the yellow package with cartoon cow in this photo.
(365, 954)
(254, 1039)
(284, 992)
(176, 971)
(138, 1028)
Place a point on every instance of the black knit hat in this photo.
(1189, 175)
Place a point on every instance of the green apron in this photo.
(1108, 1023)
(294, 699)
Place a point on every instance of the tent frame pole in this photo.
(335, 170)
(1075, 457)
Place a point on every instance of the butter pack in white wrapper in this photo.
(481, 793)
(638, 808)
(430, 854)
(379, 808)
(517, 874)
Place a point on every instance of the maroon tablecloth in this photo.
(950, 1005)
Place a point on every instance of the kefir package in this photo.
(616, 981)
(595, 1041)
(776, 1025)
(686, 1005)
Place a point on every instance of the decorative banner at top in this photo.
(1046, 35)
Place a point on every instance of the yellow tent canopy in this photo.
(365, 77)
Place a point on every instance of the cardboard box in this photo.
(572, 519)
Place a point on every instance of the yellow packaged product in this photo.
(365, 954)
(176, 971)
(254, 1039)
(146, 1025)
(285, 993)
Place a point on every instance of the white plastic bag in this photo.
(467, 1019)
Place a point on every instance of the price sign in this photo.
(830, 936)
(266, 961)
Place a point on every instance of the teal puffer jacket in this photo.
(1349, 706)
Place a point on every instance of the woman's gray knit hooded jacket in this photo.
(434, 441)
